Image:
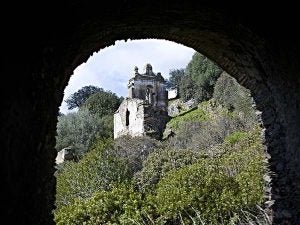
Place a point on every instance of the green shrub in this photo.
(120, 205)
(217, 189)
(159, 163)
(235, 137)
(134, 150)
(244, 160)
(203, 186)
(202, 135)
(96, 171)
(80, 130)
(231, 95)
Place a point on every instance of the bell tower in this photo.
(145, 109)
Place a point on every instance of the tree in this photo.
(79, 97)
(102, 103)
(80, 129)
(175, 77)
(199, 80)
(230, 94)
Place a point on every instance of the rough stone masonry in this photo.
(144, 112)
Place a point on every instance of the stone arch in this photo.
(243, 43)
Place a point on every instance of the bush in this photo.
(134, 150)
(244, 159)
(202, 186)
(120, 205)
(74, 129)
(231, 95)
(97, 170)
(159, 163)
(80, 130)
(215, 190)
(204, 130)
(107, 125)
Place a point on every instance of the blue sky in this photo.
(111, 67)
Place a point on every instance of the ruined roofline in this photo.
(147, 77)
(149, 74)
(138, 100)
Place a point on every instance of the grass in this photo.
(193, 115)
(257, 216)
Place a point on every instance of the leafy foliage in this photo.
(106, 126)
(76, 99)
(134, 150)
(203, 186)
(102, 103)
(159, 163)
(231, 95)
(244, 159)
(175, 78)
(93, 119)
(216, 188)
(202, 129)
(193, 115)
(97, 170)
(120, 205)
(80, 129)
(108, 162)
(200, 77)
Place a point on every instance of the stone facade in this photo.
(144, 111)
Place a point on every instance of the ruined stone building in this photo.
(144, 112)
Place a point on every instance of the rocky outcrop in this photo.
(177, 106)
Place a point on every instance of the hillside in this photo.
(208, 169)
(213, 155)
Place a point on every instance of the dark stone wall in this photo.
(255, 43)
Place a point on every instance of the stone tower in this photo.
(144, 112)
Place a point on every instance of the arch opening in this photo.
(243, 48)
(127, 112)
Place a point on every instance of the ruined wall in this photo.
(135, 123)
(136, 117)
(159, 94)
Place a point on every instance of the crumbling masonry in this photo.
(144, 112)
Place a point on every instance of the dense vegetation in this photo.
(190, 84)
(76, 99)
(94, 118)
(209, 171)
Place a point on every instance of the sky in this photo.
(112, 67)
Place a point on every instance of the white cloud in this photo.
(110, 68)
